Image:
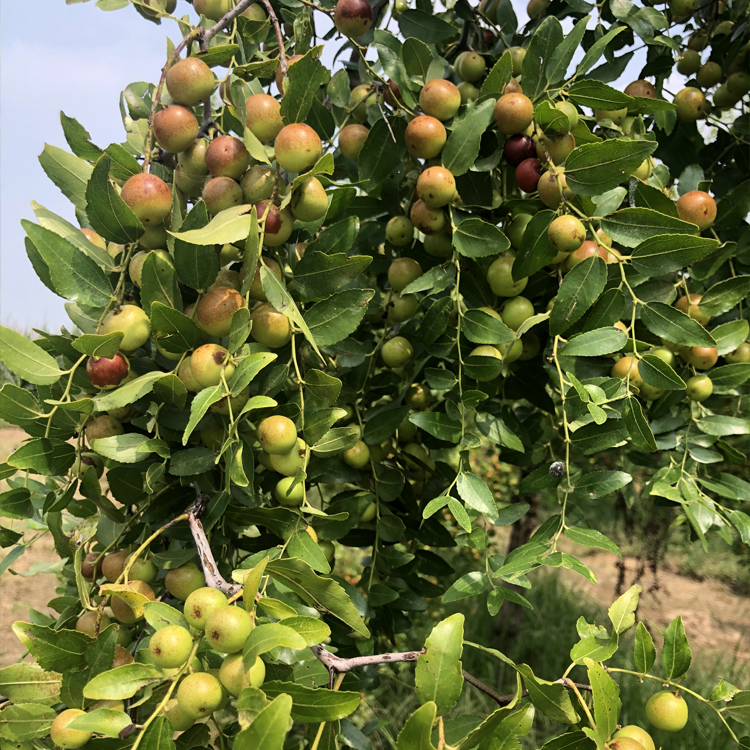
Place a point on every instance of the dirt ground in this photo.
(717, 621)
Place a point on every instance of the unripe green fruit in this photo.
(257, 183)
(399, 231)
(263, 117)
(193, 161)
(738, 83)
(82, 463)
(617, 116)
(468, 91)
(626, 368)
(500, 278)
(515, 231)
(290, 498)
(427, 220)
(487, 351)
(517, 55)
(86, 623)
(227, 629)
(190, 82)
(255, 13)
(436, 186)
(558, 148)
(568, 109)
(175, 128)
(702, 357)
(142, 570)
(291, 462)
(418, 397)
(369, 513)
(154, 238)
(182, 581)
(511, 352)
(185, 374)
(515, 311)
(351, 140)
(358, 456)
(566, 233)
(234, 678)
(549, 188)
(309, 201)
(221, 193)
(402, 272)
(470, 66)
(212, 436)
(416, 451)
(425, 137)
(277, 435)
(667, 711)
(226, 156)
(537, 8)
(643, 172)
(724, 98)
(215, 310)
(664, 355)
(179, 719)
(133, 322)
(690, 104)
(396, 352)
(697, 207)
(690, 306)
(689, 62)
(328, 550)
(406, 431)
(649, 392)
(114, 564)
(68, 739)
(270, 328)
(190, 186)
(709, 75)
(135, 268)
(699, 388)
(530, 347)
(103, 427)
(636, 733)
(201, 603)
(208, 362)
(212, 9)
(513, 113)
(741, 355)
(297, 147)
(402, 307)
(699, 40)
(440, 99)
(199, 695)
(170, 646)
(360, 100)
(681, 9)
(438, 245)
(353, 17)
(149, 197)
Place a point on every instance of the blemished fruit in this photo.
(470, 66)
(440, 99)
(208, 363)
(199, 695)
(626, 368)
(107, 373)
(667, 711)
(425, 137)
(436, 186)
(113, 565)
(641, 88)
(201, 603)
(309, 201)
(226, 156)
(624, 743)
(528, 173)
(689, 304)
(291, 462)
(175, 128)
(518, 148)
(358, 456)
(62, 736)
(690, 103)
(190, 82)
(353, 17)
(278, 225)
(215, 310)
(500, 278)
(699, 387)
(399, 231)
(396, 352)
(178, 718)
(182, 581)
(221, 193)
(227, 629)
(170, 646)
(297, 147)
(402, 307)
(566, 233)
(515, 311)
(263, 117)
(402, 272)
(234, 677)
(351, 140)
(149, 197)
(270, 328)
(633, 732)
(552, 186)
(513, 113)
(741, 355)
(427, 220)
(134, 324)
(277, 434)
(86, 623)
(702, 357)
(697, 207)
(290, 497)
(122, 657)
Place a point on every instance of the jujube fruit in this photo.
(438, 245)
(199, 694)
(616, 116)
(86, 623)
(309, 201)
(291, 462)
(358, 456)
(425, 137)
(297, 147)
(440, 99)
(113, 565)
(278, 224)
(396, 352)
(170, 646)
(427, 220)
(361, 99)
(270, 328)
(402, 272)
(134, 324)
(667, 711)
(178, 718)
(107, 372)
(690, 305)
(436, 186)
(256, 288)
(697, 207)
(201, 603)
(288, 496)
(263, 117)
(142, 569)
(702, 357)
(353, 17)
(500, 278)
(527, 174)
(518, 148)
(277, 434)
(517, 228)
(122, 657)
(221, 193)
(513, 113)
(469, 92)
(212, 9)
(741, 355)
(62, 736)
(190, 82)
(641, 88)
(216, 309)
(709, 74)
(149, 197)
(552, 187)
(193, 160)
(226, 156)
(699, 387)
(402, 307)
(234, 677)
(258, 183)
(418, 397)
(688, 62)
(624, 743)
(557, 147)
(351, 140)
(566, 233)
(182, 581)
(227, 629)
(690, 104)
(626, 368)
(633, 732)
(515, 311)
(399, 231)
(681, 9)
(122, 610)
(208, 362)
(470, 66)
(175, 128)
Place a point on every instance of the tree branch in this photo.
(336, 665)
(279, 37)
(224, 21)
(501, 700)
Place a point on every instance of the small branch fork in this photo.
(336, 665)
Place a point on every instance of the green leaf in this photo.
(268, 636)
(269, 728)
(26, 359)
(637, 424)
(551, 699)
(321, 387)
(596, 50)
(490, 728)
(437, 424)
(108, 213)
(381, 155)
(665, 253)
(476, 238)
(123, 448)
(76, 276)
(128, 393)
(417, 730)
(382, 424)
(158, 735)
(301, 545)
(43, 456)
(595, 168)
(622, 612)
(470, 584)
(546, 39)
(337, 238)
(306, 76)
(564, 53)
(25, 721)
(417, 58)
(579, 290)
(675, 326)
(324, 593)
(197, 265)
(658, 373)
(104, 345)
(70, 173)
(721, 426)
(597, 95)
(79, 139)
(333, 319)
(25, 682)
(310, 629)
(106, 721)
(438, 676)
(314, 704)
(159, 283)
(425, 26)
(497, 79)
(632, 226)
(122, 682)
(320, 421)
(462, 147)
(725, 295)
(175, 331)
(606, 699)
(54, 650)
(739, 710)
(591, 538)
(595, 343)
(536, 249)
(319, 275)
(482, 328)
(676, 655)
(123, 165)
(644, 651)
(230, 225)
(734, 207)
(476, 494)
(159, 615)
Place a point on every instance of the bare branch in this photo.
(279, 37)
(336, 665)
(501, 700)
(224, 21)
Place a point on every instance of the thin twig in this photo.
(224, 21)
(279, 37)
(501, 700)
